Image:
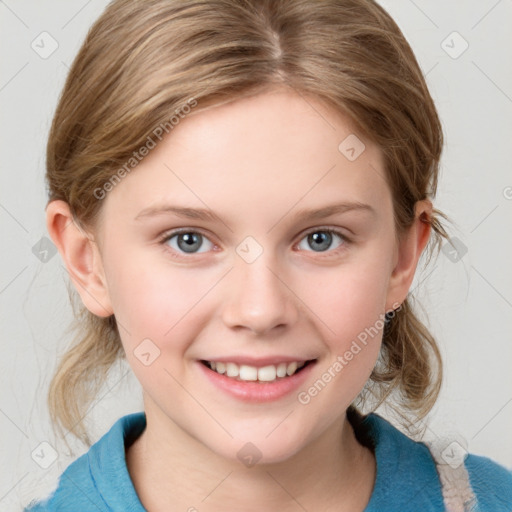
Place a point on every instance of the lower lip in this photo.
(254, 391)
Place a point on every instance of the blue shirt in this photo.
(407, 479)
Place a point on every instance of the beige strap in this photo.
(458, 495)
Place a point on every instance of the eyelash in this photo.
(165, 237)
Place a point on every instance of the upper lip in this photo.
(259, 361)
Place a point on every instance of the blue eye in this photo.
(322, 239)
(190, 241)
(186, 241)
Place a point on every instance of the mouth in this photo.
(253, 381)
(263, 374)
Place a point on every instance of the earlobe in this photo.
(81, 257)
(409, 252)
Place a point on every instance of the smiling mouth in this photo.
(268, 373)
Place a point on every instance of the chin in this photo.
(260, 449)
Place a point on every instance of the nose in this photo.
(259, 299)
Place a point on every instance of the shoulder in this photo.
(406, 476)
(412, 474)
(98, 480)
(75, 489)
(491, 483)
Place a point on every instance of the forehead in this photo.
(275, 148)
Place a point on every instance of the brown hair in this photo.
(142, 62)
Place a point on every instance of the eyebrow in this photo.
(208, 215)
(327, 211)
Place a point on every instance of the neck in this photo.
(173, 471)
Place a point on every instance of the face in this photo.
(258, 284)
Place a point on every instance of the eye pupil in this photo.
(188, 241)
(320, 237)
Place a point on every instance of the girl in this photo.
(241, 191)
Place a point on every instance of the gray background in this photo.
(468, 297)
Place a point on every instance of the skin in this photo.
(254, 162)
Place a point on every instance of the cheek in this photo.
(347, 301)
(161, 314)
(157, 302)
(352, 323)
(349, 305)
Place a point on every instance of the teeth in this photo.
(267, 373)
(291, 369)
(250, 373)
(232, 370)
(281, 370)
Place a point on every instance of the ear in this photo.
(81, 257)
(408, 254)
